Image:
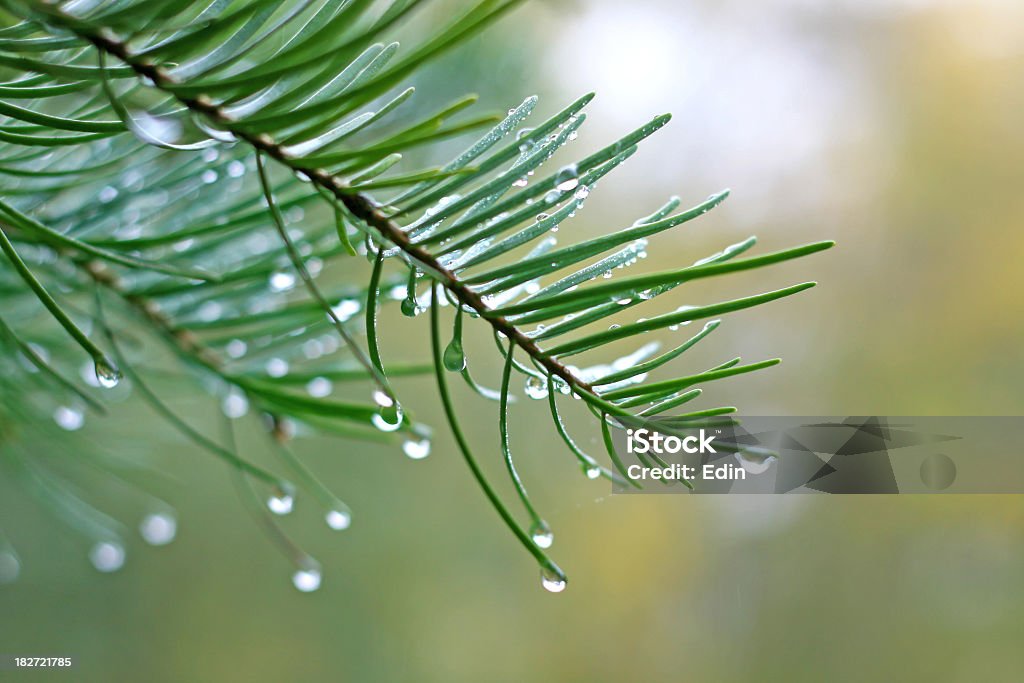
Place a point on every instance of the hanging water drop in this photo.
(107, 556)
(107, 375)
(536, 387)
(281, 500)
(567, 178)
(158, 528)
(416, 449)
(552, 582)
(454, 358)
(339, 520)
(541, 534)
(389, 417)
(307, 580)
(235, 404)
(591, 470)
(755, 463)
(582, 192)
(560, 385)
(410, 308)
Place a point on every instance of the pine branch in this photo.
(287, 82)
(359, 204)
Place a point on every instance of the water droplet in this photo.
(209, 176)
(339, 520)
(646, 295)
(592, 471)
(454, 357)
(107, 194)
(236, 348)
(318, 387)
(567, 178)
(307, 580)
(158, 528)
(107, 556)
(541, 534)
(388, 419)
(107, 375)
(582, 192)
(755, 463)
(521, 182)
(281, 501)
(552, 581)
(410, 308)
(281, 282)
(10, 567)
(210, 154)
(543, 216)
(624, 302)
(536, 388)
(277, 367)
(69, 419)
(417, 449)
(236, 169)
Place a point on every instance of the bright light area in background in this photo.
(768, 97)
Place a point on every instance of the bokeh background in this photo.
(891, 126)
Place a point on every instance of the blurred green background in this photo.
(893, 127)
